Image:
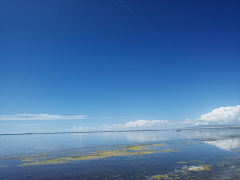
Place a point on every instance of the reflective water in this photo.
(193, 154)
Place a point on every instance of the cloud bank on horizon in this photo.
(229, 115)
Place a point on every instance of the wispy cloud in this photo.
(221, 116)
(23, 124)
(130, 10)
(26, 116)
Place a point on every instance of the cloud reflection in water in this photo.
(227, 144)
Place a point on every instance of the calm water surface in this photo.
(189, 154)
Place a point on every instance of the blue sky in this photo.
(117, 61)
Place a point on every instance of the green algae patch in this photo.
(201, 167)
(166, 151)
(50, 161)
(98, 154)
(206, 167)
(161, 177)
(182, 162)
(197, 161)
(185, 172)
(158, 144)
(166, 177)
(158, 176)
(136, 148)
(29, 159)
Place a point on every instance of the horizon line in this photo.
(126, 130)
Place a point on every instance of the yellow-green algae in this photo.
(29, 159)
(197, 161)
(50, 161)
(161, 177)
(136, 148)
(158, 144)
(185, 171)
(130, 151)
(158, 176)
(181, 162)
(206, 167)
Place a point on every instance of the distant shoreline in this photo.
(228, 127)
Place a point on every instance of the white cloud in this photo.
(140, 124)
(26, 116)
(229, 115)
(221, 116)
(135, 124)
(145, 123)
(81, 128)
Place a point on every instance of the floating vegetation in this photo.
(183, 173)
(50, 161)
(194, 168)
(186, 171)
(206, 167)
(158, 144)
(29, 159)
(182, 162)
(97, 154)
(201, 167)
(158, 176)
(166, 176)
(136, 148)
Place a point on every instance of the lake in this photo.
(189, 154)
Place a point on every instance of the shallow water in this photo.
(192, 154)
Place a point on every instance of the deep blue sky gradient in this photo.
(166, 59)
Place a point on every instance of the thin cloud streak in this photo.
(26, 116)
(131, 11)
(23, 124)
